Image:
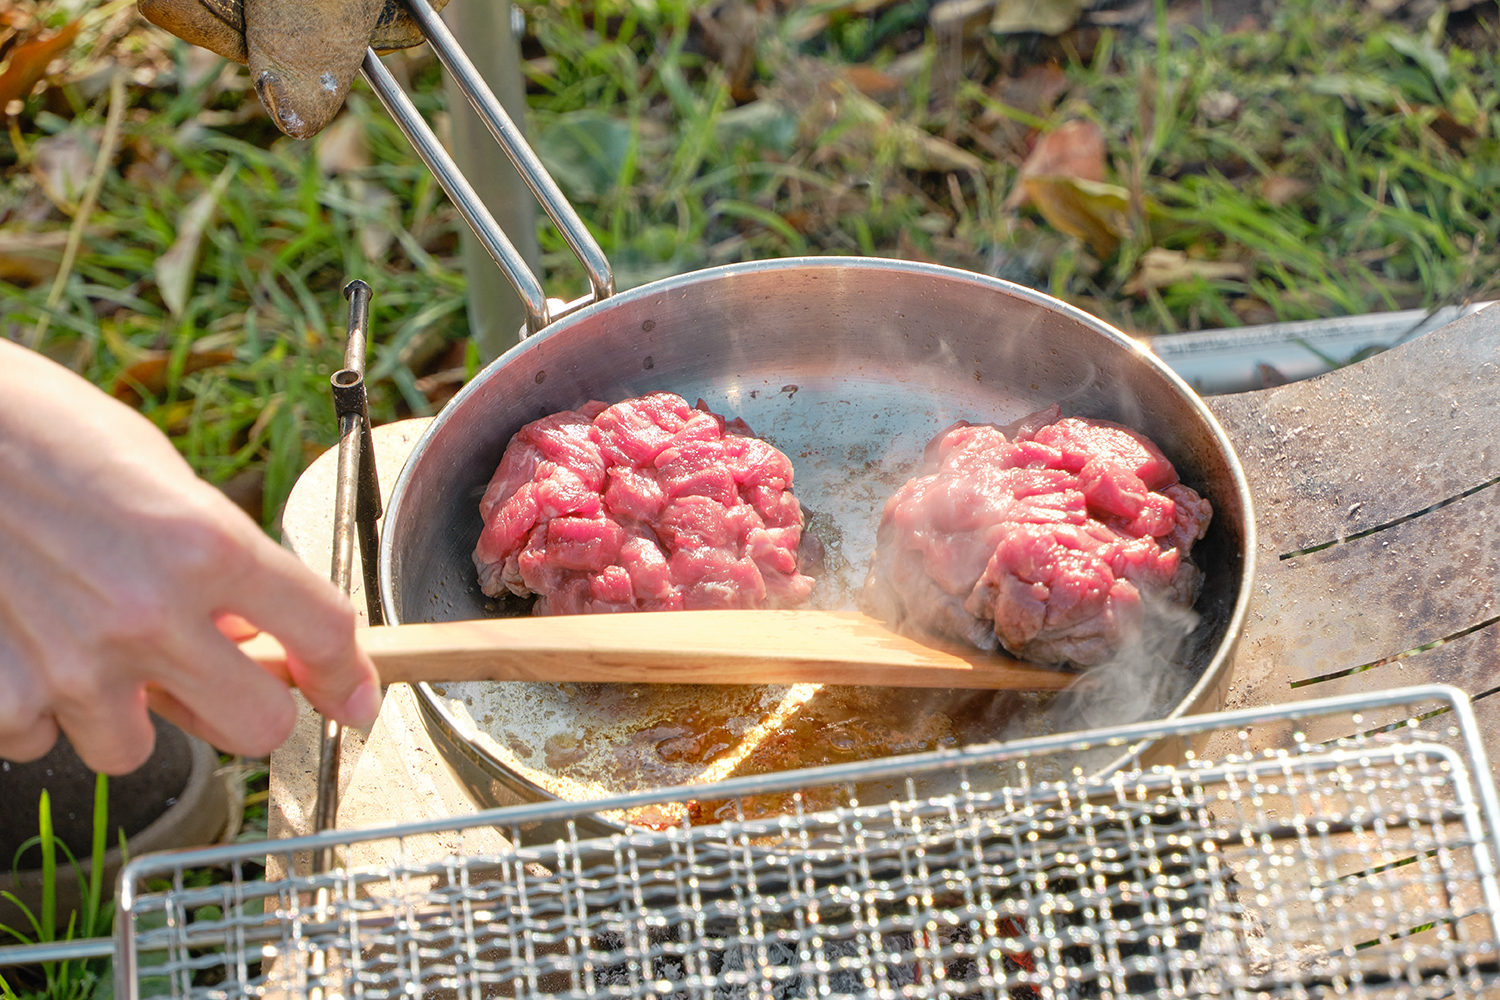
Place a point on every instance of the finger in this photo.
(362, 706)
(208, 678)
(27, 728)
(303, 56)
(234, 627)
(109, 726)
(184, 718)
(315, 624)
(163, 704)
(396, 29)
(30, 741)
(217, 25)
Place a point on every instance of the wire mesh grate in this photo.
(1361, 867)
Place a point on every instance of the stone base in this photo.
(394, 773)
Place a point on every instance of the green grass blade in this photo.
(27, 844)
(5, 929)
(49, 868)
(96, 858)
(65, 985)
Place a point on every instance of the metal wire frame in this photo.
(1365, 867)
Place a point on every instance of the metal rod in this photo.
(369, 556)
(1489, 804)
(56, 951)
(530, 167)
(127, 954)
(356, 476)
(432, 153)
(345, 504)
(351, 397)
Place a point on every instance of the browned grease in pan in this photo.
(643, 736)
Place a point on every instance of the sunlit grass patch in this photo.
(1327, 162)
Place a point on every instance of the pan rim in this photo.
(1215, 671)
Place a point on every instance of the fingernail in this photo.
(271, 91)
(363, 706)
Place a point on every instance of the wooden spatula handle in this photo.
(683, 647)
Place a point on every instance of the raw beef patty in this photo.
(646, 505)
(1056, 538)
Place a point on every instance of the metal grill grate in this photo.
(1363, 867)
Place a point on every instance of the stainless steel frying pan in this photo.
(849, 365)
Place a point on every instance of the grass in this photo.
(1341, 163)
(64, 980)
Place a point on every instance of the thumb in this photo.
(327, 685)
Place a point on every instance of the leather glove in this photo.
(302, 54)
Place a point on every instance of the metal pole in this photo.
(356, 478)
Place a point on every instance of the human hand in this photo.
(302, 54)
(125, 581)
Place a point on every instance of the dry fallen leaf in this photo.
(247, 489)
(1253, 311)
(1218, 105)
(198, 66)
(1270, 376)
(1072, 150)
(1452, 130)
(835, 119)
(1035, 91)
(442, 385)
(917, 148)
(342, 147)
(28, 62)
(175, 269)
(28, 259)
(376, 225)
(1160, 268)
(1049, 17)
(150, 372)
(1090, 210)
(956, 19)
(730, 30)
(870, 81)
(63, 165)
(1280, 190)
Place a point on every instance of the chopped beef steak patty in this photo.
(646, 505)
(1050, 537)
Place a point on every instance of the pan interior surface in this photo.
(849, 366)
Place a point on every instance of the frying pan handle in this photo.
(526, 162)
(547, 193)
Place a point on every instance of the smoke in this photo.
(1141, 681)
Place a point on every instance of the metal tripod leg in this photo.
(356, 509)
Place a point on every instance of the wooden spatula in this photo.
(683, 647)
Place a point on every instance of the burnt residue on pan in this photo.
(641, 736)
